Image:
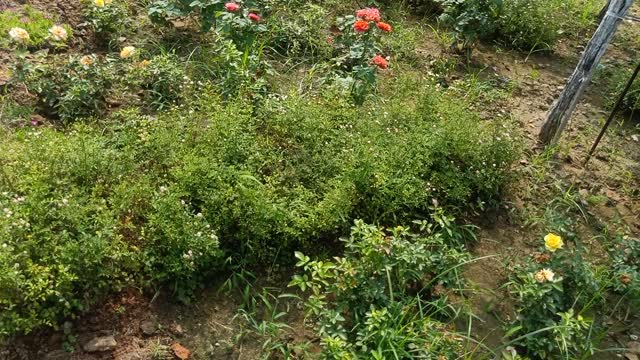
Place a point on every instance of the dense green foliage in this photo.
(528, 25)
(145, 192)
(379, 300)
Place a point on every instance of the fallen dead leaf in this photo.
(180, 351)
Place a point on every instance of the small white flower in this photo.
(58, 33)
(19, 35)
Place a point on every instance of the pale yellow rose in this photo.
(99, 3)
(544, 275)
(553, 242)
(58, 33)
(86, 60)
(19, 35)
(127, 52)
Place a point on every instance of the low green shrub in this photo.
(109, 19)
(555, 290)
(527, 25)
(160, 200)
(163, 79)
(304, 35)
(379, 299)
(530, 25)
(69, 87)
(470, 21)
(625, 256)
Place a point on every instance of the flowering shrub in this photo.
(241, 24)
(108, 19)
(364, 301)
(209, 12)
(69, 88)
(554, 290)
(358, 51)
(29, 27)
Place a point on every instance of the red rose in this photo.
(380, 62)
(232, 7)
(384, 26)
(361, 26)
(369, 14)
(254, 17)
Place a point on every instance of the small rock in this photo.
(57, 355)
(148, 327)
(630, 356)
(633, 337)
(102, 343)
(635, 138)
(180, 351)
(584, 193)
(524, 162)
(176, 329)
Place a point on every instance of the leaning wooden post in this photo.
(563, 107)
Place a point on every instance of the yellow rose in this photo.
(127, 51)
(19, 35)
(99, 3)
(553, 242)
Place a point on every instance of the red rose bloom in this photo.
(380, 62)
(232, 7)
(254, 17)
(369, 14)
(384, 26)
(361, 26)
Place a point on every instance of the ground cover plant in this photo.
(153, 181)
(365, 191)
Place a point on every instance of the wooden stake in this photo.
(564, 106)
